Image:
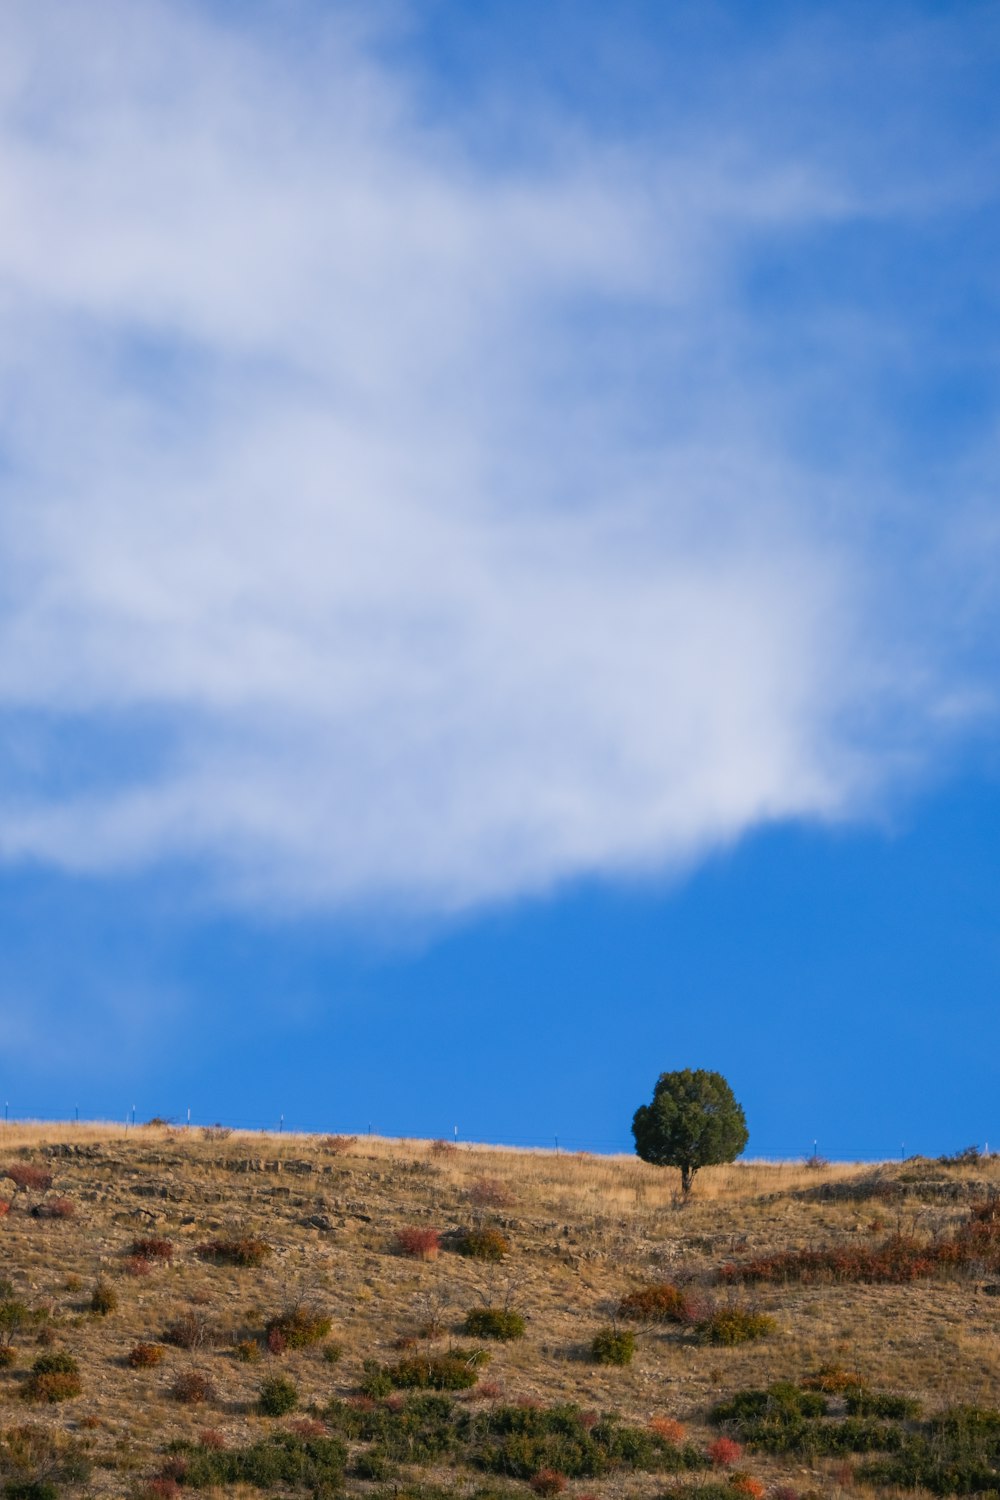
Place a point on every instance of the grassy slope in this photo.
(583, 1230)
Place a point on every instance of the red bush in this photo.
(164, 1488)
(898, 1259)
(420, 1244)
(54, 1208)
(153, 1249)
(4, 1207)
(667, 1428)
(339, 1145)
(548, 1482)
(308, 1427)
(192, 1389)
(137, 1265)
(211, 1438)
(661, 1303)
(724, 1452)
(28, 1176)
(489, 1192)
(745, 1484)
(145, 1356)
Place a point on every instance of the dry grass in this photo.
(583, 1230)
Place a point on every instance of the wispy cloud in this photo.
(382, 524)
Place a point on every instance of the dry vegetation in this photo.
(299, 1315)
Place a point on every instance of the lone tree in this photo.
(693, 1121)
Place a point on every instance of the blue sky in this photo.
(499, 548)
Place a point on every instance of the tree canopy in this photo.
(693, 1121)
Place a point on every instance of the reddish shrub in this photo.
(898, 1259)
(487, 1391)
(54, 1208)
(4, 1207)
(276, 1341)
(339, 1145)
(163, 1488)
(724, 1452)
(489, 1192)
(420, 1244)
(53, 1377)
(145, 1356)
(668, 1429)
(308, 1427)
(137, 1265)
(153, 1249)
(443, 1148)
(192, 1389)
(548, 1482)
(745, 1484)
(661, 1303)
(211, 1437)
(26, 1175)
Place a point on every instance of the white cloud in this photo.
(377, 524)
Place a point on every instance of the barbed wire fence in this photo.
(133, 1118)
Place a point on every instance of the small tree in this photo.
(693, 1121)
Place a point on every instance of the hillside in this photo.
(896, 1296)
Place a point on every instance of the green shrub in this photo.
(612, 1346)
(519, 1441)
(494, 1323)
(661, 1303)
(782, 1402)
(457, 1370)
(735, 1325)
(864, 1403)
(278, 1395)
(284, 1460)
(35, 1460)
(53, 1377)
(333, 1353)
(512, 1441)
(956, 1452)
(14, 1317)
(298, 1327)
(484, 1244)
(248, 1352)
(235, 1252)
(374, 1466)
